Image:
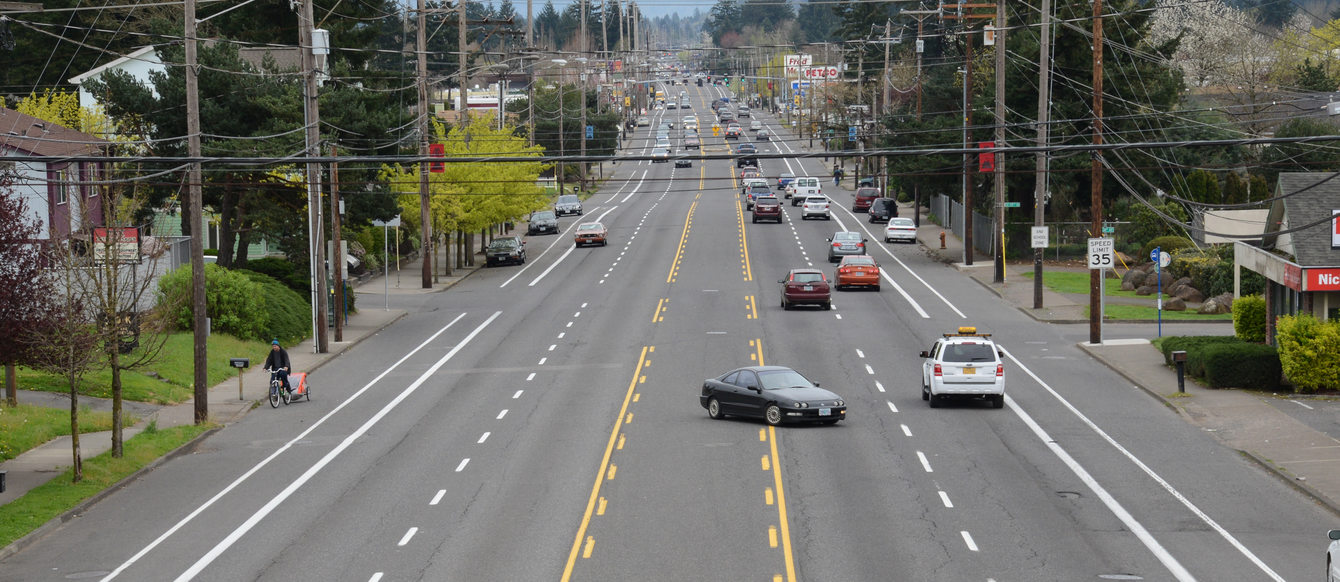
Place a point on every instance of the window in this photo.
(778, 379)
(731, 378)
(748, 380)
(969, 353)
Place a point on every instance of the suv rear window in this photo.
(969, 353)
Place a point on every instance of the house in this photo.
(56, 187)
(1299, 253)
(138, 64)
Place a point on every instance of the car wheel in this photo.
(828, 306)
(714, 409)
(773, 415)
(935, 401)
(786, 306)
(925, 392)
(998, 401)
(876, 288)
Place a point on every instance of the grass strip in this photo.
(48, 501)
(24, 427)
(1078, 283)
(1151, 314)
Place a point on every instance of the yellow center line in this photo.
(781, 508)
(661, 306)
(688, 221)
(604, 467)
(744, 243)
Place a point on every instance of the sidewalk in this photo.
(1301, 456)
(51, 459)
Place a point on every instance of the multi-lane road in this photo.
(541, 422)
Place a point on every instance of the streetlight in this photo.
(581, 80)
(562, 110)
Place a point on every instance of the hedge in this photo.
(1309, 352)
(288, 315)
(283, 270)
(1249, 318)
(1241, 365)
(1167, 244)
(1194, 346)
(233, 302)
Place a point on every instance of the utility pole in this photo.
(921, 16)
(530, 25)
(999, 165)
(464, 76)
(967, 157)
(884, 96)
(425, 135)
(315, 228)
(337, 254)
(1044, 116)
(1096, 175)
(194, 187)
(581, 80)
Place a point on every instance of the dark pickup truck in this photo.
(767, 208)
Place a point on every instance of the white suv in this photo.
(966, 364)
(815, 206)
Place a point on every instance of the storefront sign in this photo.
(1293, 277)
(118, 244)
(1335, 229)
(1323, 280)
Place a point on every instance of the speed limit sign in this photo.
(1101, 253)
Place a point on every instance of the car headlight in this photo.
(801, 405)
(841, 403)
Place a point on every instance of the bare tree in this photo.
(22, 288)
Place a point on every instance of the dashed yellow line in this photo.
(751, 307)
(661, 306)
(688, 224)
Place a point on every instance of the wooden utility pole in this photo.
(200, 382)
(884, 96)
(316, 230)
(921, 16)
(581, 80)
(464, 75)
(968, 173)
(999, 162)
(1044, 117)
(337, 254)
(425, 135)
(1096, 176)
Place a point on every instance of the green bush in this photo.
(1249, 318)
(1241, 365)
(1167, 244)
(283, 271)
(1309, 351)
(1194, 346)
(233, 302)
(288, 314)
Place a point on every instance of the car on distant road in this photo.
(763, 135)
(857, 271)
(784, 180)
(806, 287)
(693, 142)
(815, 207)
(732, 133)
(746, 148)
(968, 364)
(505, 249)
(744, 111)
(755, 192)
(660, 155)
(591, 233)
(751, 172)
(683, 163)
(541, 222)
(755, 125)
(863, 198)
(747, 183)
(568, 204)
(845, 243)
(900, 229)
(774, 393)
(746, 161)
(803, 187)
(767, 208)
(882, 209)
(643, 121)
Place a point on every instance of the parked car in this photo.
(541, 222)
(962, 365)
(568, 204)
(505, 249)
(900, 229)
(862, 199)
(882, 209)
(816, 207)
(845, 243)
(806, 287)
(591, 233)
(857, 271)
(775, 393)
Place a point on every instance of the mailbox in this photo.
(1179, 356)
(1179, 359)
(239, 362)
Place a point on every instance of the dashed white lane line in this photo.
(925, 464)
(869, 370)
(408, 535)
(879, 386)
(860, 354)
(543, 360)
(967, 539)
(438, 498)
(528, 379)
(552, 346)
(944, 497)
(891, 406)
(569, 324)
(502, 414)
(837, 315)
(482, 438)
(576, 315)
(561, 334)
(464, 462)
(907, 431)
(375, 577)
(518, 392)
(583, 306)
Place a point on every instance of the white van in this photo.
(803, 187)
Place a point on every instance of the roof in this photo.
(1305, 198)
(145, 54)
(33, 136)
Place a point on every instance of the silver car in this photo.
(568, 204)
(845, 243)
(815, 207)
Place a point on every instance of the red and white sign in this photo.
(1335, 229)
(986, 161)
(821, 72)
(799, 60)
(119, 244)
(1293, 277)
(1323, 280)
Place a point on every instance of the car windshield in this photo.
(590, 226)
(807, 277)
(546, 215)
(901, 222)
(568, 199)
(502, 243)
(846, 236)
(779, 379)
(867, 192)
(969, 353)
(859, 261)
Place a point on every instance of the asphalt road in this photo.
(541, 422)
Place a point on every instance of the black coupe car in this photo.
(774, 393)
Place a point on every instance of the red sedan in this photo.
(806, 287)
(857, 271)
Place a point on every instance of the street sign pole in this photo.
(1101, 257)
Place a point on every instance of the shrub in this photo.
(233, 302)
(283, 271)
(1167, 244)
(1249, 318)
(1241, 365)
(1309, 351)
(1194, 346)
(288, 315)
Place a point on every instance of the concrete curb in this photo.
(55, 522)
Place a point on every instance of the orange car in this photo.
(857, 270)
(591, 233)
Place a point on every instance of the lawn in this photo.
(166, 381)
(1072, 282)
(1137, 312)
(25, 427)
(27, 513)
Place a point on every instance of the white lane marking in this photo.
(297, 484)
(552, 346)
(885, 274)
(1148, 539)
(879, 386)
(185, 520)
(892, 408)
(438, 498)
(1301, 404)
(635, 188)
(528, 379)
(542, 361)
(375, 577)
(967, 539)
(483, 437)
(569, 324)
(583, 306)
(869, 370)
(926, 464)
(541, 276)
(907, 431)
(860, 354)
(944, 497)
(576, 315)
(502, 414)
(517, 395)
(561, 334)
(408, 535)
(464, 462)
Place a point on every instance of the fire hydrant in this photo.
(942, 239)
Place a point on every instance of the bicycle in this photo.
(277, 391)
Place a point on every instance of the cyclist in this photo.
(278, 364)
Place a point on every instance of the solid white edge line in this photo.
(408, 535)
(252, 471)
(635, 188)
(1143, 467)
(307, 475)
